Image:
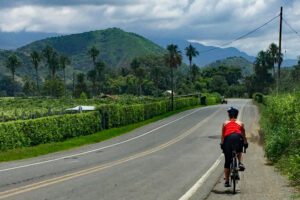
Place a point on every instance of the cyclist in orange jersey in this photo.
(233, 138)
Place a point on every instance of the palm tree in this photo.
(138, 71)
(191, 52)
(12, 64)
(54, 63)
(51, 59)
(92, 76)
(63, 62)
(36, 59)
(93, 52)
(262, 66)
(273, 51)
(173, 59)
(194, 72)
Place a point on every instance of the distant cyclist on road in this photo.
(233, 135)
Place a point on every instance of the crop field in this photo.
(31, 108)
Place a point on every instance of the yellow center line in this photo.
(48, 182)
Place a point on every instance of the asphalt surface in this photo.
(162, 160)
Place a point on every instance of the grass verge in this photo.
(43, 149)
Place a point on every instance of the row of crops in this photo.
(32, 108)
(30, 132)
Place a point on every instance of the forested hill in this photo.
(244, 64)
(117, 47)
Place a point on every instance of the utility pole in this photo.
(279, 47)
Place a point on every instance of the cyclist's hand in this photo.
(222, 146)
(246, 145)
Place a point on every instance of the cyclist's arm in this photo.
(222, 134)
(244, 134)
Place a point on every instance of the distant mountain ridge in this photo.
(117, 49)
(207, 56)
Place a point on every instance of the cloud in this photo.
(211, 22)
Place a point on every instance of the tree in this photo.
(54, 87)
(52, 60)
(219, 84)
(262, 78)
(273, 52)
(173, 59)
(94, 52)
(155, 74)
(81, 86)
(194, 72)
(139, 72)
(36, 59)
(12, 63)
(92, 76)
(296, 72)
(29, 88)
(8, 87)
(191, 52)
(63, 62)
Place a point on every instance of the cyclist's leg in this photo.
(228, 157)
(240, 144)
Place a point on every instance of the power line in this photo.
(241, 37)
(292, 29)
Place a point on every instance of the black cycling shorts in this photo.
(232, 142)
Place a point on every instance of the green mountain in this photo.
(244, 64)
(117, 49)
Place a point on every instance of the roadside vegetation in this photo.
(280, 123)
(280, 119)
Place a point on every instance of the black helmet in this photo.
(233, 112)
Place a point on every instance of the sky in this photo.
(209, 22)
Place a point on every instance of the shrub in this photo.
(258, 97)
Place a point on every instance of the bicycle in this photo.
(234, 170)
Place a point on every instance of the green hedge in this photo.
(213, 98)
(117, 115)
(48, 129)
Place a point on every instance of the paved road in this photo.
(162, 160)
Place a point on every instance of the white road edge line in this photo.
(91, 151)
(200, 182)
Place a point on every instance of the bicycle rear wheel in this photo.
(234, 175)
(233, 184)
